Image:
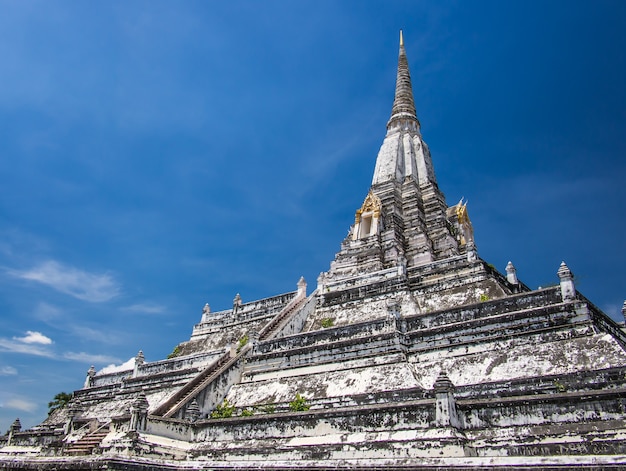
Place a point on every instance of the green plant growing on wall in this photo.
(484, 297)
(174, 353)
(327, 322)
(267, 408)
(243, 341)
(247, 412)
(560, 387)
(223, 410)
(299, 404)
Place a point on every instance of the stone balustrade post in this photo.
(511, 274)
(206, 312)
(16, 426)
(192, 411)
(320, 282)
(445, 403)
(139, 413)
(236, 304)
(91, 373)
(139, 360)
(568, 290)
(301, 288)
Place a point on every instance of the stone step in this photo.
(86, 444)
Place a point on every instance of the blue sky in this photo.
(155, 156)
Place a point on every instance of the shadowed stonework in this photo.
(410, 353)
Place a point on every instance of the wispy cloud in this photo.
(7, 371)
(21, 404)
(90, 358)
(105, 336)
(34, 337)
(16, 346)
(47, 312)
(72, 281)
(145, 308)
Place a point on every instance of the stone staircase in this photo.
(171, 406)
(203, 380)
(274, 326)
(86, 444)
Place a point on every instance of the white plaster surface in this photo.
(324, 385)
(504, 360)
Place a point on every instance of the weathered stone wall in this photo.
(218, 330)
(296, 322)
(403, 426)
(375, 375)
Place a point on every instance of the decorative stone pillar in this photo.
(139, 360)
(16, 426)
(511, 274)
(192, 412)
(445, 404)
(139, 413)
(320, 282)
(206, 312)
(91, 373)
(568, 290)
(301, 288)
(236, 304)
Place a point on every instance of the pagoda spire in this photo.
(403, 104)
(403, 153)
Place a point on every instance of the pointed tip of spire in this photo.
(403, 105)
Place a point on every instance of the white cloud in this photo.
(47, 312)
(14, 346)
(7, 371)
(21, 404)
(34, 337)
(127, 365)
(90, 358)
(146, 308)
(72, 281)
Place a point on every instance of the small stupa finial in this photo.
(401, 39)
